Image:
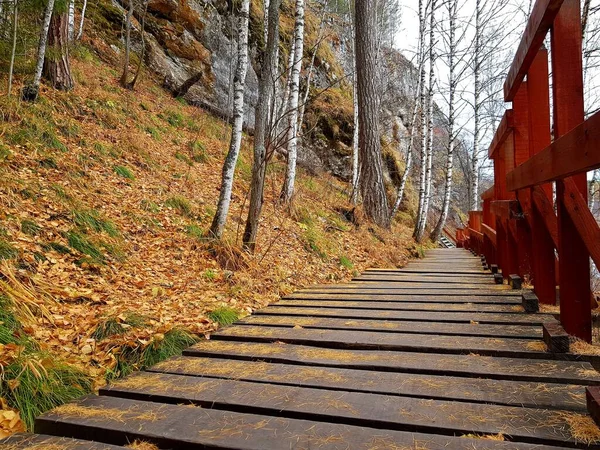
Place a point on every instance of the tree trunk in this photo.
(239, 83)
(81, 20)
(437, 232)
(474, 190)
(292, 141)
(585, 14)
(71, 32)
(371, 166)
(31, 91)
(57, 69)
(355, 136)
(14, 45)
(138, 70)
(422, 129)
(125, 73)
(261, 131)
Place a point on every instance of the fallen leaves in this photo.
(10, 420)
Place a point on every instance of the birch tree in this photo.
(452, 84)
(71, 20)
(261, 131)
(371, 166)
(422, 118)
(474, 175)
(81, 20)
(30, 92)
(239, 83)
(426, 192)
(125, 73)
(292, 135)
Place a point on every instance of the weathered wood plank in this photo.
(447, 281)
(473, 365)
(351, 408)
(26, 441)
(459, 329)
(391, 290)
(383, 298)
(185, 427)
(365, 340)
(423, 316)
(402, 306)
(515, 393)
(500, 136)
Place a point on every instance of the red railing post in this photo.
(543, 266)
(567, 84)
(510, 248)
(521, 149)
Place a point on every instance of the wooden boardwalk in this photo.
(433, 356)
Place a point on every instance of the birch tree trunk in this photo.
(594, 190)
(125, 73)
(437, 232)
(14, 45)
(261, 131)
(239, 83)
(422, 129)
(138, 70)
(355, 135)
(292, 140)
(81, 20)
(31, 91)
(71, 20)
(411, 125)
(474, 190)
(57, 69)
(371, 166)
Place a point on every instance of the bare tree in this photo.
(292, 135)
(138, 70)
(426, 192)
(452, 83)
(371, 165)
(71, 20)
(239, 82)
(125, 73)
(355, 135)
(30, 92)
(81, 20)
(261, 135)
(474, 176)
(422, 128)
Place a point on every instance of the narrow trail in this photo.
(432, 356)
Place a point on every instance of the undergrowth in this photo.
(224, 315)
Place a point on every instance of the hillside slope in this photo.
(105, 195)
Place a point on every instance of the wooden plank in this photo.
(505, 209)
(467, 298)
(489, 233)
(473, 365)
(582, 218)
(543, 243)
(437, 276)
(458, 329)
(370, 287)
(488, 194)
(27, 441)
(365, 340)
(573, 153)
(351, 408)
(567, 87)
(457, 281)
(545, 209)
(540, 20)
(502, 132)
(185, 427)
(402, 306)
(413, 292)
(421, 316)
(476, 390)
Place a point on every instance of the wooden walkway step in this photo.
(432, 356)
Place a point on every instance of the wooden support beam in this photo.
(506, 209)
(556, 338)
(489, 233)
(530, 302)
(573, 153)
(515, 281)
(488, 194)
(567, 91)
(592, 396)
(541, 19)
(502, 133)
(543, 224)
(582, 218)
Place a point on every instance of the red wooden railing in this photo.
(518, 228)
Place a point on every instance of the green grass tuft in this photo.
(210, 275)
(82, 244)
(124, 172)
(181, 204)
(58, 247)
(224, 315)
(346, 263)
(7, 250)
(194, 231)
(107, 328)
(150, 206)
(90, 219)
(198, 152)
(30, 227)
(36, 383)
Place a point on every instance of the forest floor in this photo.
(105, 199)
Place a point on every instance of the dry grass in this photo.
(580, 347)
(581, 427)
(142, 445)
(107, 414)
(490, 437)
(549, 309)
(537, 346)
